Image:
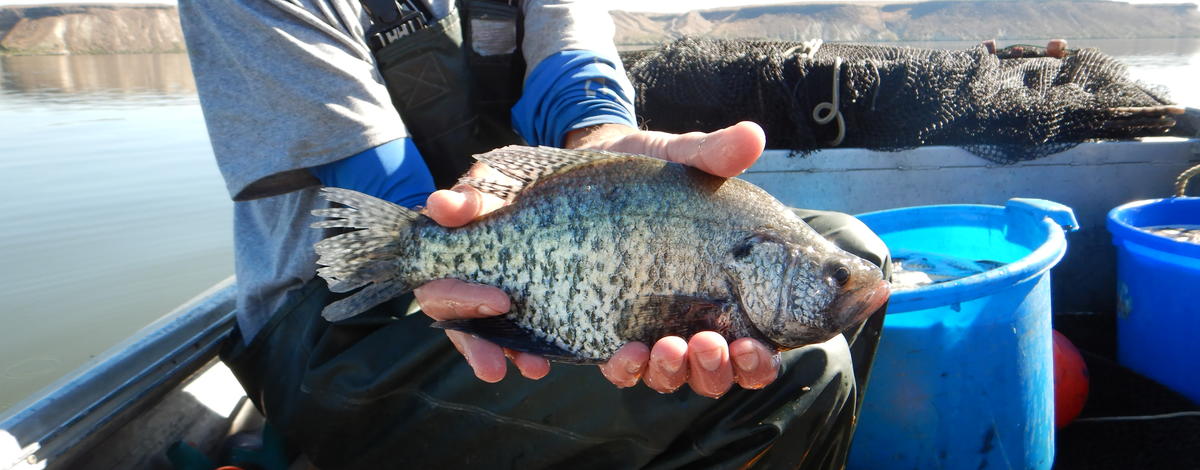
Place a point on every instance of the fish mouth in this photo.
(855, 306)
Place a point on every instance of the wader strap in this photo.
(392, 20)
(453, 81)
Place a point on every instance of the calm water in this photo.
(114, 212)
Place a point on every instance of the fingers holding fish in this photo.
(462, 204)
(625, 367)
(454, 207)
(754, 365)
(451, 299)
(726, 152)
(745, 362)
(667, 370)
(531, 366)
(485, 358)
(710, 372)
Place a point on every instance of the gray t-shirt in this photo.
(287, 85)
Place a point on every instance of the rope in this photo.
(831, 107)
(1182, 181)
(878, 83)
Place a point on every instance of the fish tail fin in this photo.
(376, 255)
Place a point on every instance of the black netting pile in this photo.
(893, 98)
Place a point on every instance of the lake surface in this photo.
(114, 212)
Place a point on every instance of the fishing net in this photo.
(1003, 106)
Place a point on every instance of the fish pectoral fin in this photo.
(679, 304)
(507, 334)
(657, 316)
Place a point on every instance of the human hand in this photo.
(451, 299)
(704, 362)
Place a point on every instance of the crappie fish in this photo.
(598, 249)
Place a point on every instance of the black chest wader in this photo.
(454, 83)
(384, 390)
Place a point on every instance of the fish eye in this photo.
(742, 250)
(841, 274)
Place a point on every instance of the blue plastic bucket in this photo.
(964, 374)
(1158, 279)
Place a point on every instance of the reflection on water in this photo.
(98, 77)
(114, 211)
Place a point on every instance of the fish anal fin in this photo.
(507, 334)
(361, 300)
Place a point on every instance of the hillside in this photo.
(90, 29)
(124, 28)
(917, 21)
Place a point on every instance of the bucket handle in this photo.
(1182, 181)
(1042, 208)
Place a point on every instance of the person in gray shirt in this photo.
(294, 98)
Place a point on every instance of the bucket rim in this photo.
(1038, 261)
(1125, 231)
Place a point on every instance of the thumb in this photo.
(726, 152)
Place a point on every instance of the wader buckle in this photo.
(392, 20)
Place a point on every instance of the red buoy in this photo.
(1070, 381)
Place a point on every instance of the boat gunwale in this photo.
(67, 417)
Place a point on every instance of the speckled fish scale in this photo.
(596, 249)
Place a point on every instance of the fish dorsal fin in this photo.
(529, 164)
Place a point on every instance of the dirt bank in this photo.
(90, 29)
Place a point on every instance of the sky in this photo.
(628, 5)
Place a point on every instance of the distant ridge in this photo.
(924, 21)
(126, 28)
(90, 29)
